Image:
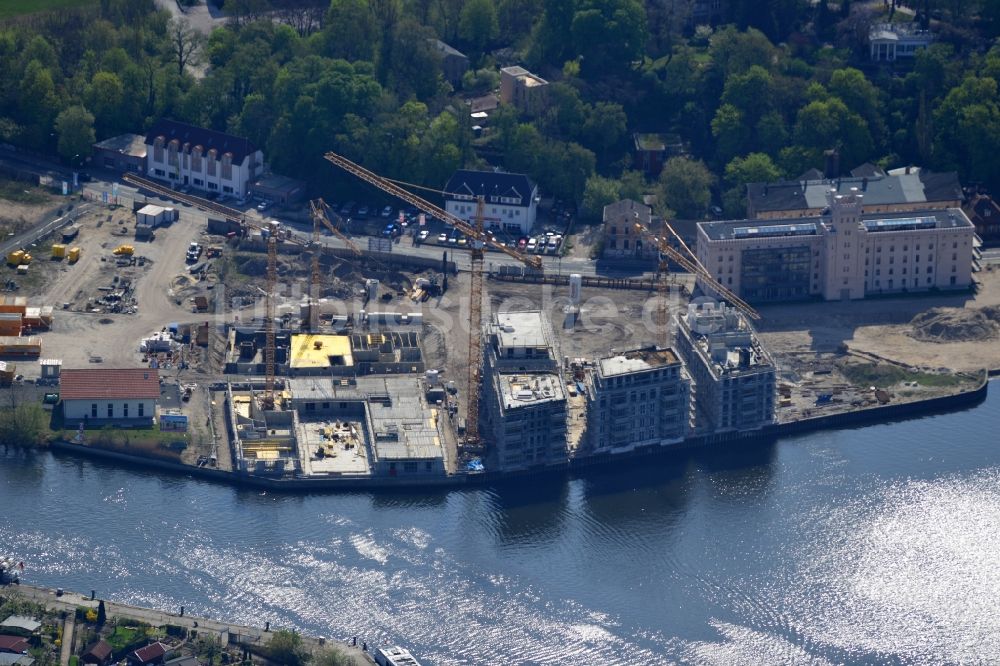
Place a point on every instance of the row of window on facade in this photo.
(140, 410)
(197, 182)
(194, 158)
(463, 210)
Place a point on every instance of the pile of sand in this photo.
(956, 324)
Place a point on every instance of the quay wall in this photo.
(576, 466)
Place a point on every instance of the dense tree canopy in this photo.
(759, 94)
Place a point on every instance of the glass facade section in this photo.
(769, 274)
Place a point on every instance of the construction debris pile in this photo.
(956, 324)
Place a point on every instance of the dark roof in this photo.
(15, 644)
(446, 49)
(867, 170)
(199, 136)
(983, 207)
(491, 184)
(109, 384)
(183, 661)
(911, 188)
(128, 144)
(811, 174)
(150, 653)
(100, 651)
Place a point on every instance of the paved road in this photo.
(69, 602)
(67, 639)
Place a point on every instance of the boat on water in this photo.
(10, 570)
(394, 656)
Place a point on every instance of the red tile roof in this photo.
(150, 653)
(14, 644)
(109, 384)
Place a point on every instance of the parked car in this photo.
(348, 208)
(522, 242)
(423, 235)
(263, 205)
(532, 244)
(453, 239)
(387, 211)
(442, 238)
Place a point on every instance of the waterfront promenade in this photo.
(226, 632)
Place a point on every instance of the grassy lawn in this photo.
(123, 636)
(9, 8)
(869, 374)
(19, 191)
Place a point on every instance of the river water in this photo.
(879, 544)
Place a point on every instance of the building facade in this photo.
(454, 63)
(621, 239)
(912, 190)
(203, 159)
(984, 212)
(524, 401)
(888, 42)
(733, 374)
(125, 152)
(523, 90)
(127, 396)
(511, 199)
(843, 254)
(636, 398)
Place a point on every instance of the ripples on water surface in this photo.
(876, 545)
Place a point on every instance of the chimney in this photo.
(907, 170)
(831, 164)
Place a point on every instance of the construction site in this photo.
(290, 351)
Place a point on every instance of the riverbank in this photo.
(575, 466)
(228, 634)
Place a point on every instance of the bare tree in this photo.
(186, 44)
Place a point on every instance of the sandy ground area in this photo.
(882, 327)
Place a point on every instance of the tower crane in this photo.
(478, 240)
(690, 263)
(321, 213)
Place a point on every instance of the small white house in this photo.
(510, 198)
(123, 396)
(190, 156)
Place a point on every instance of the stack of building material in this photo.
(20, 346)
(7, 371)
(10, 324)
(38, 318)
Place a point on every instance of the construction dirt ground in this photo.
(827, 354)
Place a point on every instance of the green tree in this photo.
(75, 127)
(822, 125)
(686, 185)
(478, 25)
(967, 124)
(754, 168)
(598, 193)
(751, 92)
(351, 31)
(604, 128)
(106, 97)
(286, 648)
(609, 34)
(731, 132)
(333, 657)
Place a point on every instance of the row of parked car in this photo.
(362, 211)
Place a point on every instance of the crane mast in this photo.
(478, 240)
(690, 263)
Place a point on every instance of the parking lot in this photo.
(397, 223)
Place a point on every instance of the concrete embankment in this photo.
(228, 633)
(579, 466)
